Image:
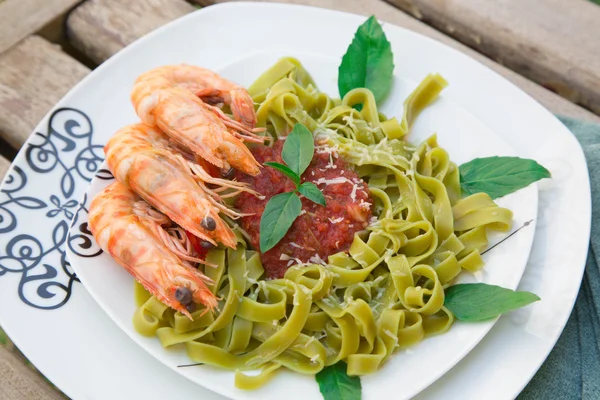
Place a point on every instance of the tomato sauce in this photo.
(319, 231)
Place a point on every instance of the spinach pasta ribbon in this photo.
(386, 292)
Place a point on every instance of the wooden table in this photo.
(47, 46)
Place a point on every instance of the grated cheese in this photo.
(390, 334)
(291, 260)
(263, 286)
(330, 164)
(321, 335)
(336, 220)
(334, 181)
(338, 181)
(353, 194)
(316, 259)
(364, 204)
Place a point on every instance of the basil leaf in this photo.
(335, 384)
(472, 302)
(499, 176)
(284, 169)
(368, 62)
(280, 213)
(312, 192)
(298, 149)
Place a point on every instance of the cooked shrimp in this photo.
(128, 229)
(191, 123)
(210, 87)
(140, 157)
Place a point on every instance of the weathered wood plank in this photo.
(34, 75)
(97, 26)
(4, 164)
(554, 42)
(18, 382)
(20, 18)
(100, 28)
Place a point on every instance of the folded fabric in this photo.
(572, 370)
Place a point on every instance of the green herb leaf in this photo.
(3, 338)
(473, 302)
(335, 384)
(298, 149)
(312, 192)
(284, 169)
(368, 62)
(499, 176)
(280, 212)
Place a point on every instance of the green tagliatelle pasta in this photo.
(386, 292)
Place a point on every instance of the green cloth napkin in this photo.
(572, 370)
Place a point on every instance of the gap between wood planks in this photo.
(552, 42)
(21, 18)
(18, 20)
(98, 28)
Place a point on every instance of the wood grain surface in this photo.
(96, 27)
(4, 164)
(19, 382)
(34, 75)
(20, 18)
(553, 42)
(100, 28)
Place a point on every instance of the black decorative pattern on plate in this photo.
(81, 241)
(46, 189)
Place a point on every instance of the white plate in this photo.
(80, 349)
(462, 135)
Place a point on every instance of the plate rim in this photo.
(78, 261)
(20, 158)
